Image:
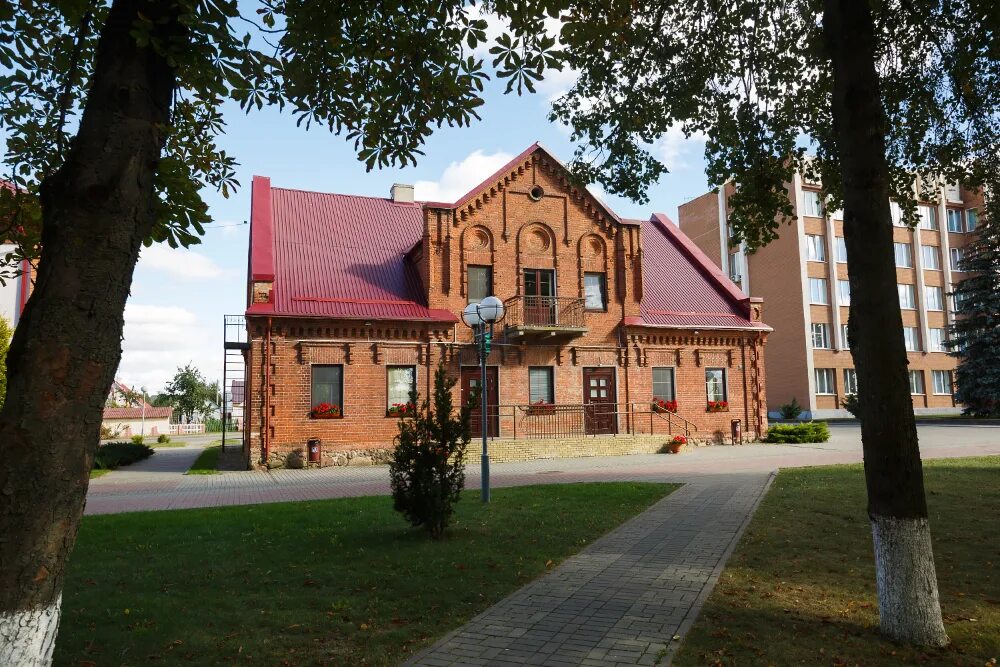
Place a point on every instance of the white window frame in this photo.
(822, 329)
(812, 204)
(844, 292)
(903, 252)
(971, 219)
(843, 337)
(933, 303)
(947, 378)
(825, 376)
(815, 248)
(841, 250)
(935, 339)
(955, 256)
(815, 285)
(922, 388)
(911, 302)
(928, 217)
(911, 339)
(958, 215)
(850, 382)
(896, 212)
(931, 256)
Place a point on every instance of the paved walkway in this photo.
(621, 600)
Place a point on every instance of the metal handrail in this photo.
(544, 311)
(562, 420)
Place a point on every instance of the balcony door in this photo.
(539, 297)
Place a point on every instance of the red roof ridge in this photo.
(333, 299)
(388, 200)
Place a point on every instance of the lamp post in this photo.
(480, 317)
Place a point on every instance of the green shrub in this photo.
(137, 439)
(115, 454)
(163, 438)
(790, 410)
(795, 433)
(851, 405)
(427, 470)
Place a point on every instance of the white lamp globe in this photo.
(491, 309)
(471, 315)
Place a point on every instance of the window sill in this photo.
(326, 416)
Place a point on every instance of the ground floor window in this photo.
(916, 382)
(850, 381)
(401, 382)
(942, 382)
(663, 384)
(824, 381)
(715, 384)
(541, 388)
(328, 386)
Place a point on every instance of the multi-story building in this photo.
(14, 291)
(803, 277)
(354, 301)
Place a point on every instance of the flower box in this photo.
(401, 410)
(659, 405)
(717, 406)
(326, 411)
(541, 408)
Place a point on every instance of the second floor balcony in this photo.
(532, 317)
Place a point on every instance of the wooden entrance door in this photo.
(600, 400)
(470, 381)
(539, 297)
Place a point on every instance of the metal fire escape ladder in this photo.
(234, 371)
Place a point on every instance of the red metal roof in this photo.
(681, 287)
(339, 256)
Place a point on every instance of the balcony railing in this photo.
(544, 313)
(575, 420)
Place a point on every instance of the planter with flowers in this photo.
(401, 410)
(660, 405)
(717, 406)
(675, 445)
(326, 411)
(540, 407)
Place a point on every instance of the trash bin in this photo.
(737, 431)
(315, 451)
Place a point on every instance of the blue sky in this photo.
(174, 315)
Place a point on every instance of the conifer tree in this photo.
(975, 335)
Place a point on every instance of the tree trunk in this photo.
(97, 208)
(906, 582)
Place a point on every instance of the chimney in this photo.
(402, 194)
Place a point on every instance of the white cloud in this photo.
(179, 263)
(673, 149)
(460, 177)
(158, 339)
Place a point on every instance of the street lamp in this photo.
(480, 317)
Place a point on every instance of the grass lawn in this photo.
(172, 443)
(800, 588)
(98, 472)
(207, 462)
(335, 582)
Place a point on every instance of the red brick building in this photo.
(355, 300)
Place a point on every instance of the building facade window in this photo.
(328, 385)
(663, 384)
(897, 214)
(843, 337)
(815, 248)
(917, 382)
(933, 297)
(821, 335)
(935, 339)
(541, 388)
(595, 289)
(825, 381)
(971, 219)
(480, 282)
(841, 250)
(931, 257)
(844, 292)
(850, 381)
(402, 383)
(907, 298)
(911, 338)
(904, 255)
(715, 384)
(928, 217)
(812, 205)
(955, 220)
(956, 258)
(735, 272)
(942, 382)
(817, 291)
